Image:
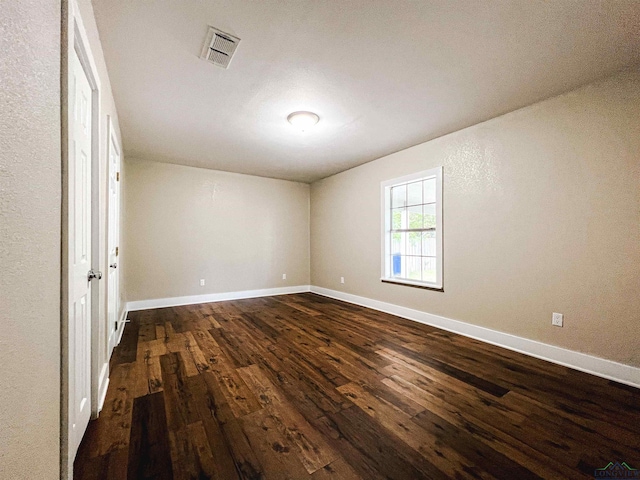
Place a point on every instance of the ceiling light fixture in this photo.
(303, 120)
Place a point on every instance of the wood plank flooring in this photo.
(302, 386)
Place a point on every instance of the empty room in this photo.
(336, 239)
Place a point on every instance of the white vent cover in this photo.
(219, 47)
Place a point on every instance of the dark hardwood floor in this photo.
(302, 386)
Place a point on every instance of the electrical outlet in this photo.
(341, 279)
(284, 276)
(202, 282)
(557, 319)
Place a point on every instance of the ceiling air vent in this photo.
(219, 47)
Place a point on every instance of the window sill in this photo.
(409, 283)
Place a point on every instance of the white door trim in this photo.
(78, 42)
(113, 143)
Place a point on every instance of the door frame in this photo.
(74, 38)
(113, 142)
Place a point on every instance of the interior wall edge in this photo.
(63, 446)
(134, 157)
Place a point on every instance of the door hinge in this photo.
(117, 176)
(117, 250)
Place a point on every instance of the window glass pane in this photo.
(430, 215)
(398, 242)
(398, 218)
(428, 269)
(414, 193)
(398, 196)
(415, 216)
(413, 268)
(412, 250)
(429, 243)
(414, 243)
(429, 187)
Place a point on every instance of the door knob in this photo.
(94, 274)
(114, 265)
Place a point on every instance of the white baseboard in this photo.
(212, 297)
(103, 382)
(121, 325)
(579, 361)
(103, 385)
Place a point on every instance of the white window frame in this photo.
(385, 195)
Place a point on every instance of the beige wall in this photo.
(238, 232)
(541, 215)
(30, 199)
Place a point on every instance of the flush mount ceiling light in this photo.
(303, 120)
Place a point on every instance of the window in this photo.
(412, 229)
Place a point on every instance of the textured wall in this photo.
(541, 215)
(238, 232)
(30, 239)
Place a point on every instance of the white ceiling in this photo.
(382, 74)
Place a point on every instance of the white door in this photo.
(79, 253)
(114, 238)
